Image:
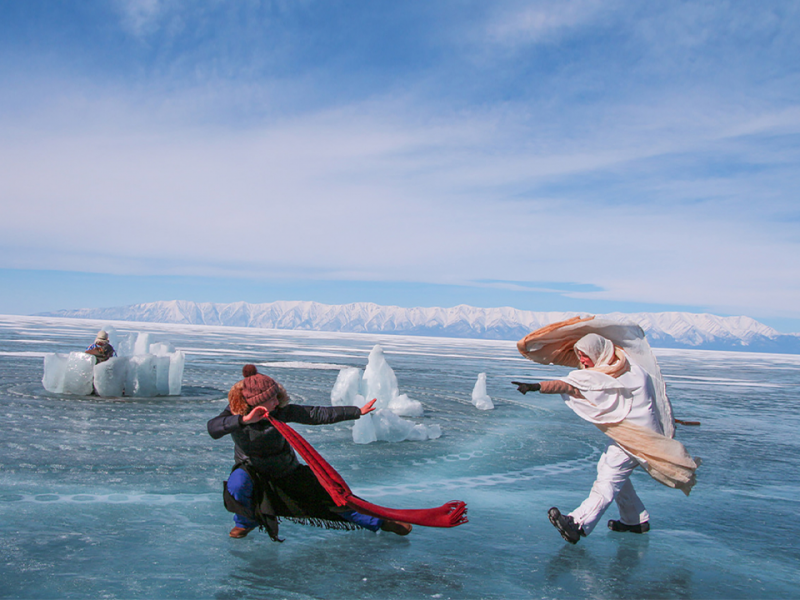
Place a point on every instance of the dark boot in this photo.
(397, 527)
(566, 526)
(620, 526)
(240, 532)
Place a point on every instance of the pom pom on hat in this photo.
(249, 370)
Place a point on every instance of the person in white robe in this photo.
(617, 395)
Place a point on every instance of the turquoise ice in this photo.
(123, 499)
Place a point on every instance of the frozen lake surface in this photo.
(121, 498)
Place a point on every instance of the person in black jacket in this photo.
(267, 481)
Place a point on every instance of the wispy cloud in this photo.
(141, 17)
(543, 21)
(639, 166)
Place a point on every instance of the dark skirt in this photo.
(298, 496)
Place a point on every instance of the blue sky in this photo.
(565, 155)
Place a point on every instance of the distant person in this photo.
(101, 349)
(268, 482)
(618, 396)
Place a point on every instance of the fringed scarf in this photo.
(450, 514)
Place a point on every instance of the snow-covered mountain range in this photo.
(665, 330)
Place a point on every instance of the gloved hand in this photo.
(526, 387)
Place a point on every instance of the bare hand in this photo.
(259, 413)
(524, 388)
(369, 406)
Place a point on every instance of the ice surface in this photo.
(479, 396)
(141, 368)
(378, 381)
(98, 497)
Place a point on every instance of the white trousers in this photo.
(612, 483)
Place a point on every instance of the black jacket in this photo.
(266, 449)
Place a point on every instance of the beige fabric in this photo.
(606, 356)
(665, 459)
(604, 399)
(554, 344)
(615, 368)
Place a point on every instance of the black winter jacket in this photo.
(266, 449)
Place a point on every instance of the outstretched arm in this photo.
(556, 386)
(316, 415)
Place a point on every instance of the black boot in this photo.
(566, 526)
(620, 526)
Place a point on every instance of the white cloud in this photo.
(375, 195)
(543, 21)
(141, 17)
(667, 193)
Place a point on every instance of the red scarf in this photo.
(448, 515)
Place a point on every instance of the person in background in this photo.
(101, 349)
(268, 482)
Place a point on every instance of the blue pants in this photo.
(240, 486)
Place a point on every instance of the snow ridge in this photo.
(667, 329)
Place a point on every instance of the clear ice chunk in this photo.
(141, 368)
(352, 388)
(479, 396)
(109, 377)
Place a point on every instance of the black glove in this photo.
(527, 387)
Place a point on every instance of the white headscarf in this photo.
(596, 347)
(606, 400)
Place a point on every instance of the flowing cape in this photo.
(448, 515)
(665, 460)
(553, 345)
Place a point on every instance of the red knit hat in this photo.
(258, 389)
(253, 390)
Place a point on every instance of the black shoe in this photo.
(620, 526)
(566, 526)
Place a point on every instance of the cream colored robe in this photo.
(624, 408)
(632, 409)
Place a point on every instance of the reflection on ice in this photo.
(142, 368)
(352, 388)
